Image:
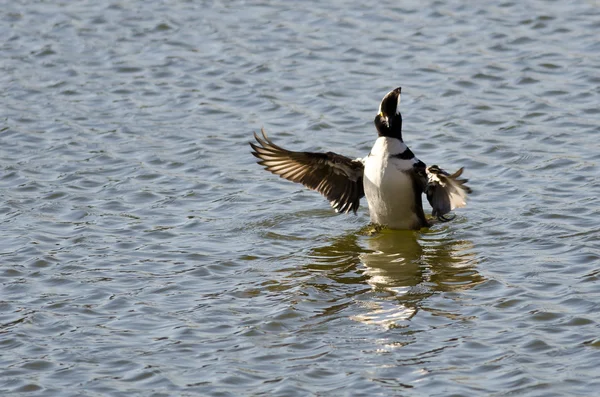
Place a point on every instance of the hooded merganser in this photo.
(391, 177)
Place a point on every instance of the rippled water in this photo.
(143, 252)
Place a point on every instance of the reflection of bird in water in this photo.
(395, 273)
(394, 261)
(411, 267)
(401, 268)
(409, 258)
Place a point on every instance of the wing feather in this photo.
(445, 191)
(338, 178)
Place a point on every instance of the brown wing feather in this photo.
(337, 177)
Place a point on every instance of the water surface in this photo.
(143, 252)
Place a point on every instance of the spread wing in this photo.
(338, 178)
(445, 192)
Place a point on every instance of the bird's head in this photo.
(389, 120)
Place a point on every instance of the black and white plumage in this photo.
(336, 177)
(391, 177)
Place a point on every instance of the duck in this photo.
(391, 177)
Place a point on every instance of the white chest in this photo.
(388, 186)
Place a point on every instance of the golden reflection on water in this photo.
(400, 269)
(411, 266)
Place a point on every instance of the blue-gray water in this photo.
(144, 253)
